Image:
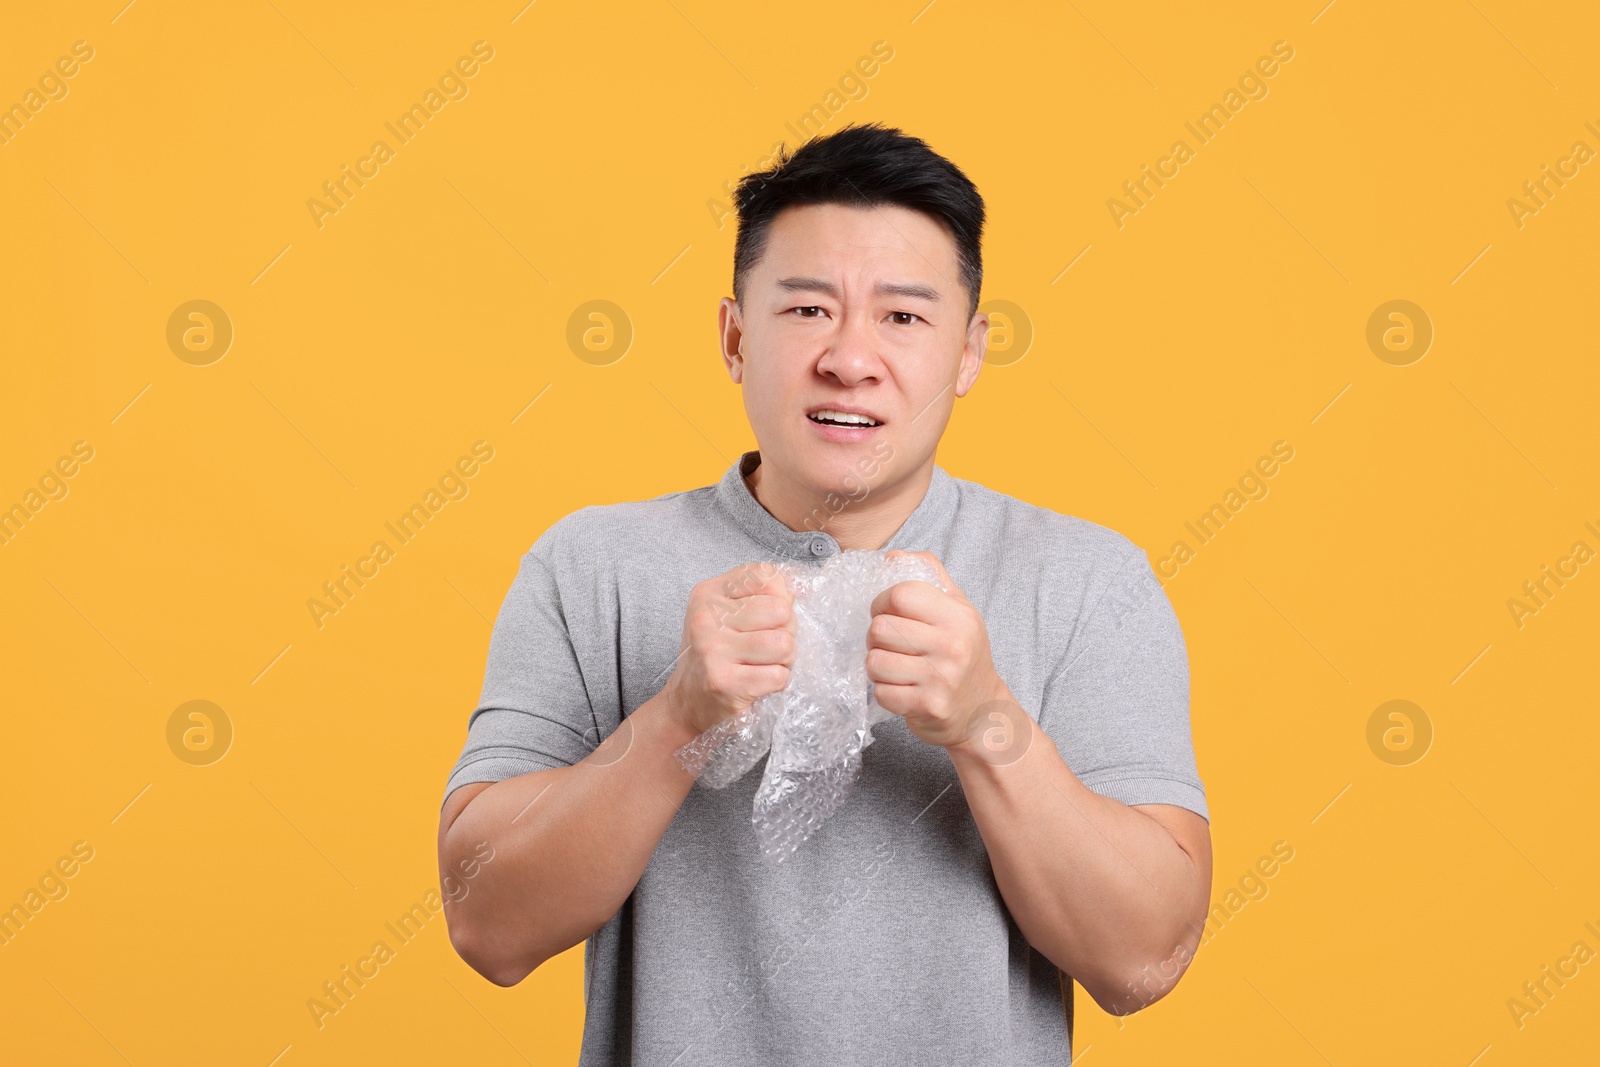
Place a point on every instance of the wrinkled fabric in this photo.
(814, 729)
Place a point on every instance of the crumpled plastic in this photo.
(812, 731)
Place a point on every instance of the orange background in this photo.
(431, 312)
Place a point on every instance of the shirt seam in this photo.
(513, 754)
(1096, 779)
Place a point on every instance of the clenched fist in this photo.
(738, 644)
(928, 656)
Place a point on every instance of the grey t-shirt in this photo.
(884, 939)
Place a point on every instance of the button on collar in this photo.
(935, 512)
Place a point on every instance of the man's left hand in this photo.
(928, 655)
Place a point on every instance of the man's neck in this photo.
(866, 522)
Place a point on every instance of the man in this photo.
(1031, 814)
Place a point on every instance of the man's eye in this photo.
(907, 314)
(803, 310)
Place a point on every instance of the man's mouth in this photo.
(829, 417)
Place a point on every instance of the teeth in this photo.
(840, 416)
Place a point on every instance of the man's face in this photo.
(853, 309)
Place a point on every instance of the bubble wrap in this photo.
(813, 730)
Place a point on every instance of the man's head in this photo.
(857, 273)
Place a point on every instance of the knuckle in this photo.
(773, 641)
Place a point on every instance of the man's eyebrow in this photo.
(909, 289)
(822, 285)
(808, 285)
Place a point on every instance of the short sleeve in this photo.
(534, 712)
(1117, 706)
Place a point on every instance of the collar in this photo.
(936, 508)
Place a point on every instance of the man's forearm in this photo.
(1102, 890)
(569, 844)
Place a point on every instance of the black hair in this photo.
(862, 166)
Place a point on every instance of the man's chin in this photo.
(847, 472)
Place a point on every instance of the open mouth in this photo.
(843, 419)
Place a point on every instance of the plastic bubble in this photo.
(814, 730)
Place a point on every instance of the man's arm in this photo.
(1114, 895)
(569, 844)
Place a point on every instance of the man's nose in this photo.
(853, 353)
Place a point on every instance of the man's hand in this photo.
(738, 644)
(928, 655)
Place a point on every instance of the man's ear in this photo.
(731, 332)
(977, 344)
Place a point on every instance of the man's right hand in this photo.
(738, 644)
